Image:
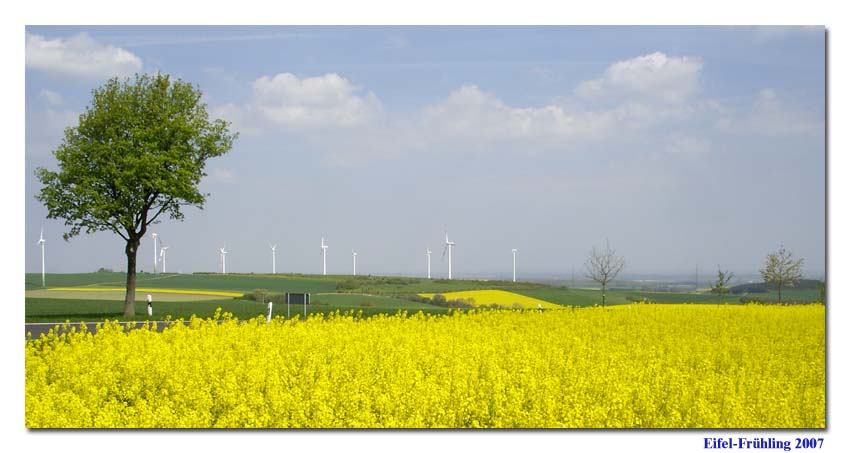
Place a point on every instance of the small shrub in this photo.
(439, 300)
(459, 303)
(347, 285)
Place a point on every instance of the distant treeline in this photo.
(768, 287)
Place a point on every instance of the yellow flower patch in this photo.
(506, 299)
(645, 366)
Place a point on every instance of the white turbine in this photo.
(354, 262)
(154, 235)
(162, 256)
(514, 252)
(428, 254)
(449, 246)
(324, 253)
(274, 248)
(223, 253)
(41, 243)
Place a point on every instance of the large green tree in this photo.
(782, 270)
(137, 155)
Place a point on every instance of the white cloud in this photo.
(470, 117)
(653, 77)
(475, 117)
(327, 100)
(631, 98)
(79, 56)
(306, 104)
(636, 104)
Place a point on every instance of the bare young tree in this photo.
(720, 285)
(603, 266)
(782, 269)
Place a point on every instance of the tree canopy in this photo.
(137, 154)
(721, 285)
(781, 269)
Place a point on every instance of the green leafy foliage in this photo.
(137, 153)
(720, 286)
(782, 270)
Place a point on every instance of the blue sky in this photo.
(682, 146)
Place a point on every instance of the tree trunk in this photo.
(130, 297)
(779, 287)
(603, 295)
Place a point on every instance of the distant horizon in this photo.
(681, 278)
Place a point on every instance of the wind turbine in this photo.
(514, 252)
(274, 248)
(162, 256)
(428, 254)
(41, 243)
(223, 253)
(154, 235)
(324, 253)
(354, 262)
(449, 246)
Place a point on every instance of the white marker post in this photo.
(150, 305)
(269, 314)
(287, 305)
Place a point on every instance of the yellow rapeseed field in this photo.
(506, 299)
(655, 366)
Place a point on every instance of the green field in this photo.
(59, 310)
(409, 285)
(292, 283)
(588, 297)
(329, 293)
(791, 295)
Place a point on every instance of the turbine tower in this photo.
(223, 253)
(354, 262)
(41, 243)
(514, 252)
(274, 248)
(324, 253)
(428, 254)
(154, 235)
(449, 246)
(162, 250)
